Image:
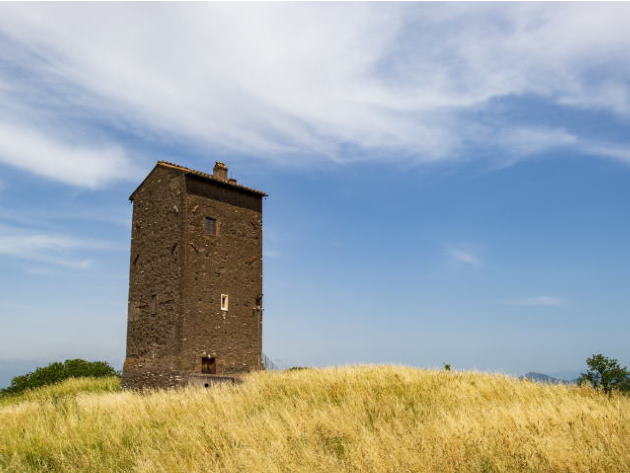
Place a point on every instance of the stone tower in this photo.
(195, 279)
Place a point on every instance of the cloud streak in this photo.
(464, 256)
(83, 166)
(46, 248)
(294, 83)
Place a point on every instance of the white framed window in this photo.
(225, 301)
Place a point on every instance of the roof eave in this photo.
(201, 175)
(228, 184)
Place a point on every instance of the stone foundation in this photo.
(209, 380)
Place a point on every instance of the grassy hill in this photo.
(351, 419)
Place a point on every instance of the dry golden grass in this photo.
(352, 419)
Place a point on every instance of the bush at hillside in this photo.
(606, 374)
(56, 372)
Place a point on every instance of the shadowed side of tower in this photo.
(195, 289)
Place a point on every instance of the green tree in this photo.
(606, 374)
(56, 372)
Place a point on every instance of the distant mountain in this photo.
(545, 378)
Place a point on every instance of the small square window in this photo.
(211, 225)
(224, 301)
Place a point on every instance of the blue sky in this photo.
(448, 182)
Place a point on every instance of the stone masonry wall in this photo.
(154, 328)
(229, 262)
(178, 271)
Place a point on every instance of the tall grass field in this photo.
(350, 419)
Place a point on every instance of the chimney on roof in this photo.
(220, 171)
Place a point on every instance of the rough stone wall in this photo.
(229, 262)
(178, 272)
(154, 328)
(208, 380)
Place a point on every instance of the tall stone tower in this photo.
(195, 279)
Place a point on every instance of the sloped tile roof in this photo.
(203, 175)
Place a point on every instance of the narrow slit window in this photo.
(211, 226)
(224, 301)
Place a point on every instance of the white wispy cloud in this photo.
(537, 301)
(614, 151)
(46, 248)
(526, 141)
(78, 165)
(463, 255)
(295, 82)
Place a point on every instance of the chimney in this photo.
(220, 171)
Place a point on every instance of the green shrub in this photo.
(56, 372)
(606, 374)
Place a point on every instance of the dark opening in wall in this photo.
(208, 365)
(211, 225)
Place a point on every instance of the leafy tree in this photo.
(606, 374)
(447, 366)
(56, 372)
